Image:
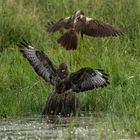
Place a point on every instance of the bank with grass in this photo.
(22, 91)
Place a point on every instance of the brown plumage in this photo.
(68, 40)
(79, 23)
(63, 99)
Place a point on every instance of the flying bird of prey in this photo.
(63, 99)
(79, 23)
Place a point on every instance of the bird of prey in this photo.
(79, 23)
(63, 99)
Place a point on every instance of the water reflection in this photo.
(57, 128)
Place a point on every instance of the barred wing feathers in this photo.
(39, 61)
(88, 79)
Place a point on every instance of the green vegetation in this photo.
(22, 91)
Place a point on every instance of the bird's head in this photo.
(78, 13)
(80, 21)
(81, 18)
(63, 70)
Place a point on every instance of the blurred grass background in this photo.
(22, 91)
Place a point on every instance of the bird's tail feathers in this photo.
(68, 40)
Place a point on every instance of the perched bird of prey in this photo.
(79, 23)
(66, 85)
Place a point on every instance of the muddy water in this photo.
(38, 128)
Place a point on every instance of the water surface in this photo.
(37, 128)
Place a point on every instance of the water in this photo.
(38, 128)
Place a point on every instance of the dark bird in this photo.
(79, 23)
(63, 99)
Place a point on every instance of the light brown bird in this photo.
(79, 23)
(63, 99)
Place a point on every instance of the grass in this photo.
(22, 91)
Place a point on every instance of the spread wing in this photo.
(100, 29)
(62, 23)
(39, 61)
(88, 79)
